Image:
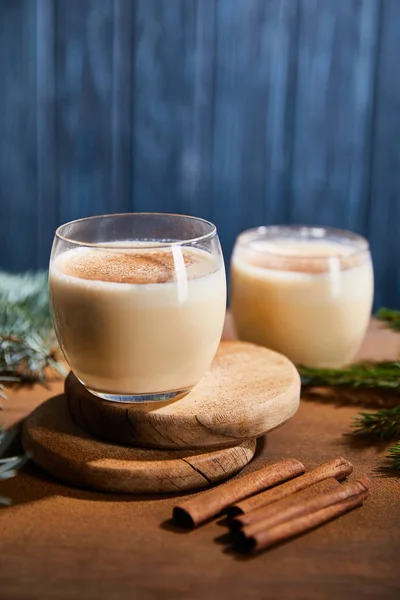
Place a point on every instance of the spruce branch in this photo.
(26, 358)
(390, 317)
(27, 342)
(27, 348)
(383, 375)
(382, 425)
(10, 465)
(24, 304)
(394, 456)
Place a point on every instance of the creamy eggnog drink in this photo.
(305, 292)
(138, 322)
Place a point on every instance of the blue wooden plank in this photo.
(245, 112)
(84, 61)
(164, 84)
(197, 152)
(254, 80)
(18, 222)
(334, 105)
(46, 151)
(122, 106)
(384, 214)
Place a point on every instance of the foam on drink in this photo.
(310, 300)
(138, 320)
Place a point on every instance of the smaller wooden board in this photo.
(60, 447)
(248, 391)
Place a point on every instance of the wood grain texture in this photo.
(46, 135)
(384, 211)
(63, 449)
(172, 88)
(84, 60)
(254, 57)
(247, 392)
(337, 49)
(18, 135)
(245, 112)
(122, 106)
(62, 543)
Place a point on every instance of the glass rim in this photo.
(254, 233)
(207, 236)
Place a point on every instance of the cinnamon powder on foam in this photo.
(280, 258)
(136, 266)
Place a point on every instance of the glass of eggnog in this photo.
(138, 303)
(304, 291)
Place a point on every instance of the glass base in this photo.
(137, 398)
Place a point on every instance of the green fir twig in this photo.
(10, 465)
(381, 376)
(24, 304)
(394, 456)
(25, 359)
(384, 375)
(27, 348)
(390, 317)
(27, 342)
(382, 425)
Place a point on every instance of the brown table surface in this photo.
(60, 542)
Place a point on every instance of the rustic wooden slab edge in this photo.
(248, 391)
(63, 449)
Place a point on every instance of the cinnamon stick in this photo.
(348, 496)
(339, 468)
(265, 512)
(210, 503)
(306, 507)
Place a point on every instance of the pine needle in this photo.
(10, 465)
(394, 455)
(372, 375)
(27, 342)
(25, 359)
(24, 304)
(27, 347)
(382, 425)
(390, 317)
(382, 376)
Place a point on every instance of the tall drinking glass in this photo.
(138, 302)
(303, 291)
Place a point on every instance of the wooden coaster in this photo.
(60, 447)
(247, 392)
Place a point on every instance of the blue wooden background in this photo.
(241, 111)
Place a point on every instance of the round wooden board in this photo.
(63, 449)
(248, 391)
